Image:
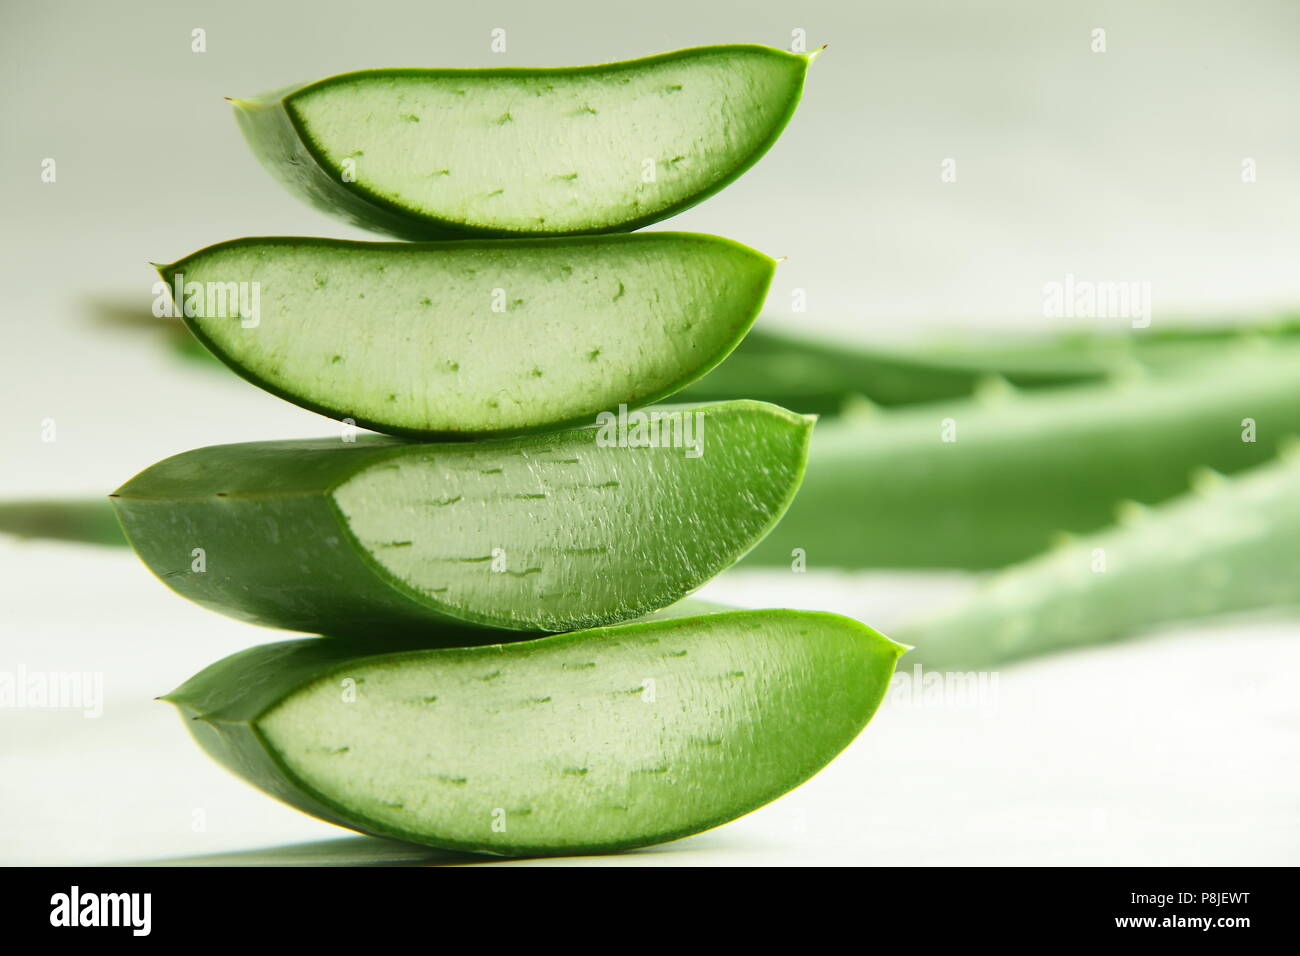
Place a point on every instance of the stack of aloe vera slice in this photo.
(499, 672)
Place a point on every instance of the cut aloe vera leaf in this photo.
(478, 337)
(594, 741)
(431, 154)
(550, 532)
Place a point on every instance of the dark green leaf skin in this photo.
(699, 261)
(1230, 544)
(277, 143)
(278, 138)
(279, 549)
(279, 555)
(749, 704)
(887, 491)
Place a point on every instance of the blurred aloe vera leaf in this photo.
(818, 378)
(985, 482)
(1230, 544)
(819, 375)
(89, 521)
(133, 317)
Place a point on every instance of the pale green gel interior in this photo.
(557, 152)
(586, 742)
(413, 339)
(553, 529)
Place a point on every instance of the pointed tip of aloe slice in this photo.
(812, 57)
(898, 647)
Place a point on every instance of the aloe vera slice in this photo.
(428, 154)
(477, 337)
(550, 532)
(586, 742)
